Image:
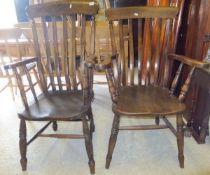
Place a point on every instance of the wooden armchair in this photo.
(62, 101)
(13, 49)
(143, 89)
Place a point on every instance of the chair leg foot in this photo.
(181, 161)
(112, 140)
(108, 161)
(180, 140)
(23, 144)
(89, 146)
(55, 126)
(92, 166)
(23, 163)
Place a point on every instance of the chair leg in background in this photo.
(23, 144)
(11, 88)
(55, 126)
(180, 140)
(157, 120)
(112, 140)
(88, 145)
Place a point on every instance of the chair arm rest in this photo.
(25, 61)
(188, 61)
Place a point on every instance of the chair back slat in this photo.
(73, 52)
(177, 22)
(38, 55)
(140, 51)
(57, 65)
(107, 3)
(156, 48)
(131, 51)
(65, 53)
(147, 51)
(92, 36)
(48, 53)
(121, 58)
(112, 36)
(168, 48)
(83, 37)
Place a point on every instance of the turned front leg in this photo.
(23, 144)
(88, 145)
(112, 140)
(180, 140)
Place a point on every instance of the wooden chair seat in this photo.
(142, 100)
(56, 106)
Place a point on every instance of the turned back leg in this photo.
(112, 140)
(88, 145)
(180, 140)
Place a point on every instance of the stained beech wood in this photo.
(63, 100)
(148, 92)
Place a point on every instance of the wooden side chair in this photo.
(13, 49)
(143, 89)
(59, 102)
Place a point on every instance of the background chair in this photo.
(144, 89)
(13, 48)
(199, 87)
(61, 101)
